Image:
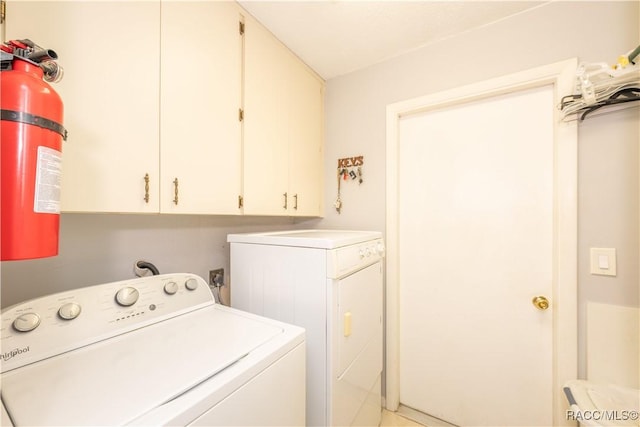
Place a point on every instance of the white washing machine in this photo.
(149, 351)
(331, 283)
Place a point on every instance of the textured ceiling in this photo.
(335, 37)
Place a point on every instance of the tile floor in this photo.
(393, 419)
(408, 417)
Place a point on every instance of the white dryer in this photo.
(148, 351)
(331, 283)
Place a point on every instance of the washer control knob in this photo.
(171, 288)
(127, 296)
(380, 248)
(26, 322)
(361, 253)
(191, 284)
(69, 311)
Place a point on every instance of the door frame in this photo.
(565, 245)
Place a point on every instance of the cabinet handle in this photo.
(146, 188)
(295, 201)
(285, 200)
(175, 191)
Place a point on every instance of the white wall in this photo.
(608, 145)
(101, 248)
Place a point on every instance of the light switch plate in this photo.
(603, 261)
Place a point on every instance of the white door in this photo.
(476, 194)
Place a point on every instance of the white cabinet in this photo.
(200, 131)
(283, 104)
(110, 52)
(152, 93)
(265, 157)
(306, 136)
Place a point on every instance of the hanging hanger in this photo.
(599, 85)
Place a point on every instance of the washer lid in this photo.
(323, 239)
(117, 380)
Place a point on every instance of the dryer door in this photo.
(356, 393)
(359, 313)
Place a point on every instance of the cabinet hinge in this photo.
(3, 11)
(240, 202)
(241, 28)
(240, 114)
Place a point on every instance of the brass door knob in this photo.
(540, 302)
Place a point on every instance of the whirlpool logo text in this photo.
(11, 354)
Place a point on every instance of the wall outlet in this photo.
(216, 277)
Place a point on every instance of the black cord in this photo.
(148, 266)
(614, 99)
(605, 104)
(627, 91)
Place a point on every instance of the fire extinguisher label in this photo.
(48, 178)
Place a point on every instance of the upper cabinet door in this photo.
(110, 53)
(306, 136)
(266, 145)
(283, 129)
(201, 88)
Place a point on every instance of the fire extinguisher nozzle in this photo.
(42, 55)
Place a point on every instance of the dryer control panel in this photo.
(50, 325)
(349, 259)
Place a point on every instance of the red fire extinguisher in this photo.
(31, 135)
